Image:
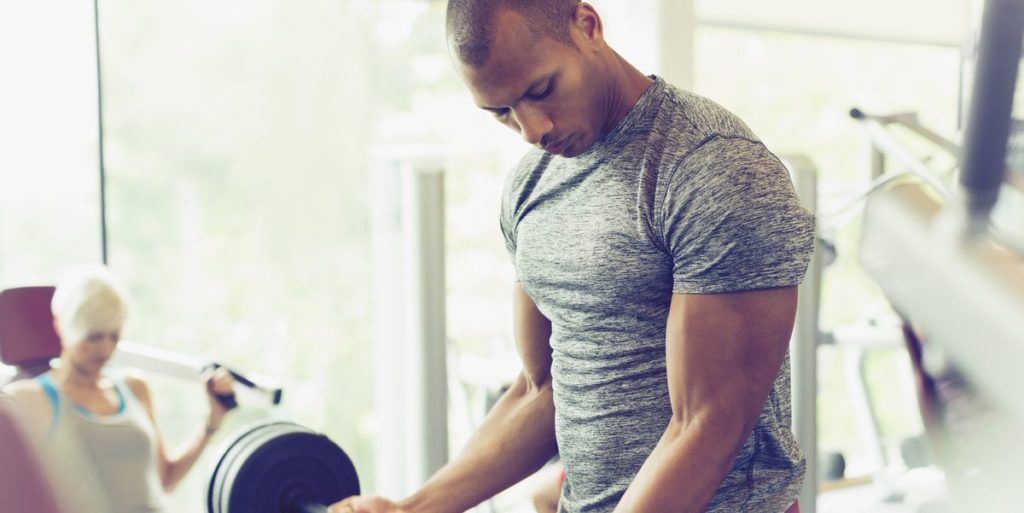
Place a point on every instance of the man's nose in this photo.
(533, 125)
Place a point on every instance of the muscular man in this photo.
(657, 245)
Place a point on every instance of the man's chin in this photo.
(578, 148)
(572, 152)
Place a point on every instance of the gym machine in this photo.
(948, 270)
(923, 243)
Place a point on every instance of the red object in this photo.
(27, 335)
(795, 508)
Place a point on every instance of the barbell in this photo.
(280, 467)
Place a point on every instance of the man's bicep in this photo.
(532, 331)
(723, 351)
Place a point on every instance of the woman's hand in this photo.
(218, 382)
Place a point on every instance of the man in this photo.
(657, 246)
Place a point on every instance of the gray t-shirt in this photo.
(681, 197)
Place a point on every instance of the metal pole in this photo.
(804, 346)
(988, 123)
(308, 507)
(410, 334)
(423, 217)
(99, 118)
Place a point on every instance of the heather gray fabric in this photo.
(680, 197)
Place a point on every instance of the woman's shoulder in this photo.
(135, 380)
(23, 389)
(31, 400)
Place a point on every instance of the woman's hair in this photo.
(89, 299)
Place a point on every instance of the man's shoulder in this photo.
(700, 117)
(136, 383)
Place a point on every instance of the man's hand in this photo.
(359, 504)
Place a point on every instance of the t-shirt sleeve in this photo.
(506, 218)
(732, 220)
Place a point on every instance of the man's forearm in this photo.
(687, 466)
(515, 440)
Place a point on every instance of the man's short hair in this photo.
(471, 24)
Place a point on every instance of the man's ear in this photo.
(586, 27)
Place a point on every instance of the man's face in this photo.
(550, 93)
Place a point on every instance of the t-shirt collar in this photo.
(618, 135)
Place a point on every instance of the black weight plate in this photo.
(213, 484)
(274, 466)
(285, 468)
(282, 462)
(235, 458)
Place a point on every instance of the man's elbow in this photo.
(534, 380)
(729, 426)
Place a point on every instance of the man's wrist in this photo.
(428, 500)
(415, 503)
(409, 504)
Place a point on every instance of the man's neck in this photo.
(626, 86)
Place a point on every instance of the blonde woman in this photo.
(96, 429)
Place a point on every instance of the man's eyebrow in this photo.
(534, 84)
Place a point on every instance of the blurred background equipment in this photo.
(957, 279)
